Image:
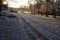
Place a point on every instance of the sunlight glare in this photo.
(4, 2)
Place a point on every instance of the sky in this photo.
(17, 3)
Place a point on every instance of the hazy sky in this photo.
(17, 3)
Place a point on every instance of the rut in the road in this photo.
(32, 32)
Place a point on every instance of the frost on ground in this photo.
(49, 27)
(11, 29)
(29, 27)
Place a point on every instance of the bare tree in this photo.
(0, 7)
(0, 4)
(38, 6)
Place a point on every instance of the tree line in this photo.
(47, 7)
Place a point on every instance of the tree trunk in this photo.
(54, 13)
(0, 7)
